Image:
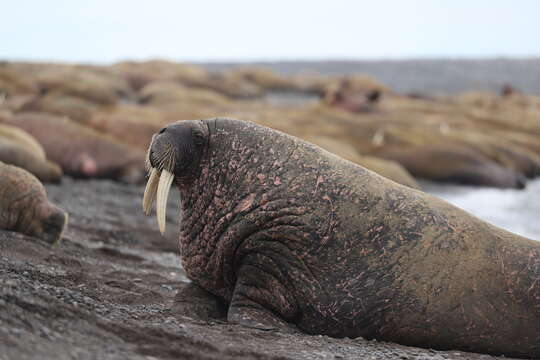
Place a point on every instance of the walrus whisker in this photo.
(165, 182)
(165, 159)
(147, 165)
(169, 158)
(160, 159)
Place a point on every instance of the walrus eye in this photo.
(198, 137)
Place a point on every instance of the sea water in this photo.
(517, 211)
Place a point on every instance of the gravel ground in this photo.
(107, 292)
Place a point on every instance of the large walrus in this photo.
(24, 206)
(285, 232)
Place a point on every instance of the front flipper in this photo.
(250, 314)
(195, 302)
(256, 302)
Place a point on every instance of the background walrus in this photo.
(24, 206)
(282, 230)
(80, 151)
(20, 149)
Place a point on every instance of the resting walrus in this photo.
(24, 206)
(284, 231)
(13, 154)
(80, 151)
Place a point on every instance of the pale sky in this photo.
(235, 30)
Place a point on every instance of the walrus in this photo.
(13, 154)
(19, 148)
(284, 232)
(454, 164)
(15, 82)
(81, 151)
(97, 85)
(24, 206)
(77, 109)
(356, 94)
(23, 139)
(131, 125)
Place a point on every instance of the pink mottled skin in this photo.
(286, 234)
(86, 165)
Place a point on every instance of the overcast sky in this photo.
(220, 30)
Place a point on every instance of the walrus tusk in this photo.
(165, 181)
(378, 138)
(150, 191)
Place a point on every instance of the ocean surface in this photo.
(517, 211)
(436, 76)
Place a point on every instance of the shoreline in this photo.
(443, 76)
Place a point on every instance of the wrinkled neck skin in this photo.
(231, 202)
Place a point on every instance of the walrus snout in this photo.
(177, 146)
(53, 224)
(162, 150)
(175, 152)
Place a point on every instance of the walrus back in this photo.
(407, 266)
(449, 270)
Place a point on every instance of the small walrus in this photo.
(285, 232)
(24, 206)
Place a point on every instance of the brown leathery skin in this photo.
(96, 85)
(124, 130)
(450, 163)
(24, 206)
(13, 154)
(22, 138)
(77, 109)
(282, 230)
(81, 151)
(14, 82)
(387, 168)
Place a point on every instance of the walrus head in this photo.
(49, 223)
(175, 152)
(24, 206)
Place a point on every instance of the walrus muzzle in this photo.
(174, 150)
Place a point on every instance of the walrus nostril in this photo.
(162, 130)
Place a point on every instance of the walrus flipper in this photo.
(195, 302)
(253, 306)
